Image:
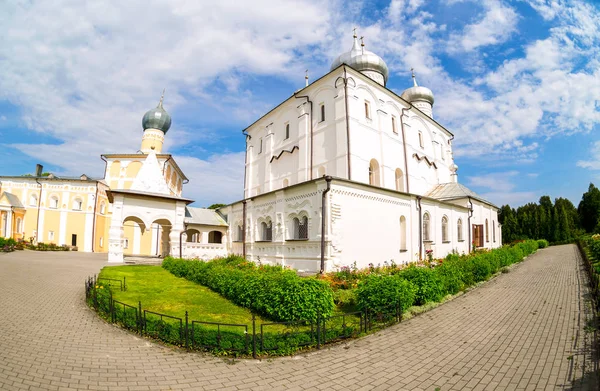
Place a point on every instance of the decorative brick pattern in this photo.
(524, 330)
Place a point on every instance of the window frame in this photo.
(426, 228)
(459, 229)
(394, 125)
(445, 236)
(287, 131)
(322, 112)
(421, 142)
(367, 109)
(53, 202)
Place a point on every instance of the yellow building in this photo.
(135, 209)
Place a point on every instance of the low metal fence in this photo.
(266, 338)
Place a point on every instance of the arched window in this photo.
(394, 126)
(287, 131)
(215, 237)
(77, 204)
(487, 232)
(266, 231)
(240, 233)
(426, 236)
(322, 112)
(54, 202)
(367, 109)
(444, 229)
(399, 180)
(459, 229)
(374, 173)
(493, 231)
(321, 171)
(402, 233)
(286, 183)
(300, 228)
(421, 143)
(102, 208)
(33, 200)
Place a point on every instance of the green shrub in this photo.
(480, 268)
(542, 243)
(271, 291)
(380, 292)
(451, 275)
(344, 297)
(428, 284)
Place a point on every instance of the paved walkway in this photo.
(522, 330)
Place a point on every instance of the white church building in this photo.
(347, 172)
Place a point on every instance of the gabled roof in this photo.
(12, 200)
(150, 178)
(454, 191)
(204, 216)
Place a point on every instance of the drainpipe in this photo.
(420, 228)
(248, 137)
(323, 213)
(37, 225)
(404, 145)
(185, 227)
(469, 222)
(311, 131)
(94, 219)
(244, 229)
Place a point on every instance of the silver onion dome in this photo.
(157, 118)
(418, 93)
(363, 61)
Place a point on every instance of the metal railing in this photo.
(252, 339)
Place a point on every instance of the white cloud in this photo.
(500, 181)
(3, 118)
(497, 25)
(594, 163)
(218, 179)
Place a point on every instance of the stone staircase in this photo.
(141, 260)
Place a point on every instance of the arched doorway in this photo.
(135, 237)
(162, 239)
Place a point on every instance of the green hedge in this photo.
(271, 291)
(429, 286)
(542, 243)
(380, 292)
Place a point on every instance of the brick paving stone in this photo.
(521, 330)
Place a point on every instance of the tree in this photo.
(216, 206)
(589, 208)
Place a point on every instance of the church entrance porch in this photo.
(144, 225)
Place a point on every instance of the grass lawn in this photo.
(160, 291)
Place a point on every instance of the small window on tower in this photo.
(287, 131)
(322, 112)
(367, 109)
(421, 140)
(260, 146)
(394, 128)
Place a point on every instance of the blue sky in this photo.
(517, 82)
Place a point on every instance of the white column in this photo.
(9, 220)
(137, 238)
(116, 231)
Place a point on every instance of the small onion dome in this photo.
(453, 168)
(362, 60)
(157, 118)
(418, 93)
